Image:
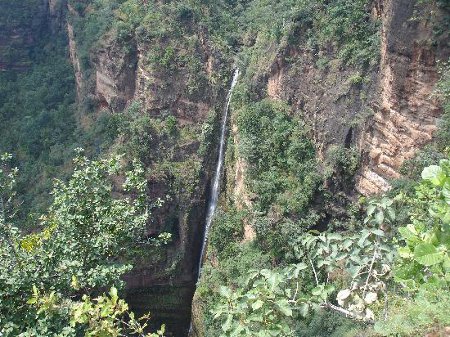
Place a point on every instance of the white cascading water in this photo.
(212, 204)
(216, 185)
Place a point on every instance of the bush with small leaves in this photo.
(82, 247)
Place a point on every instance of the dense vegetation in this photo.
(380, 272)
(281, 158)
(38, 122)
(84, 245)
(314, 263)
(359, 270)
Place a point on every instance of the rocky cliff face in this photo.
(129, 71)
(23, 26)
(389, 111)
(115, 74)
(405, 112)
(386, 110)
(332, 100)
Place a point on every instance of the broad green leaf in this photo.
(405, 252)
(369, 314)
(225, 292)
(347, 244)
(370, 297)
(298, 268)
(379, 218)
(427, 254)
(364, 235)
(228, 323)
(446, 191)
(391, 213)
(303, 308)
(406, 233)
(342, 296)
(258, 304)
(256, 317)
(377, 232)
(317, 291)
(434, 174)
(113, 293)
(334, 236)
(446, 264)
(284, 307)
(370, 210)
(274, 280)
(32, 300)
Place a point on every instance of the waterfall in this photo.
(212, 203)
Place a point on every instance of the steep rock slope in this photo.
(170, 85)
(405, 112)
(177, 78)
(382, 109)
(389, 111)
(175, 81)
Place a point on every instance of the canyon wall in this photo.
(405, 113)
(387, 112)
(128, 72)
(173, 101)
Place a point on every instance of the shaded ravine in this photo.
(170, 302)
(215, 190)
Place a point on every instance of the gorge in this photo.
(214, 198)
(328, 104)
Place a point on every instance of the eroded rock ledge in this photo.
(389, 115)
(406, 113)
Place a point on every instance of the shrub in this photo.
(282, 167)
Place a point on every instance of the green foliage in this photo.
(85, 239)
(324, 323)
(267, 304)
(105, 315)
(426, 313)
(443, 91)
(227, 228)
(361, 260)
(171, 125)
(37, 122)
(207, 132)
(337, 29)
(359, 265)
(232, 270)
(274, 234)
(94, 19)
(8, 178)
(412, 168)
(140, 133)
(282, 172)
(348, 28)
(343, 161)
(424, 259)
(20, 23)
(380, 212)
(282, 167)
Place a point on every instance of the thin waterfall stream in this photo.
(212, 203)
(215, 190)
